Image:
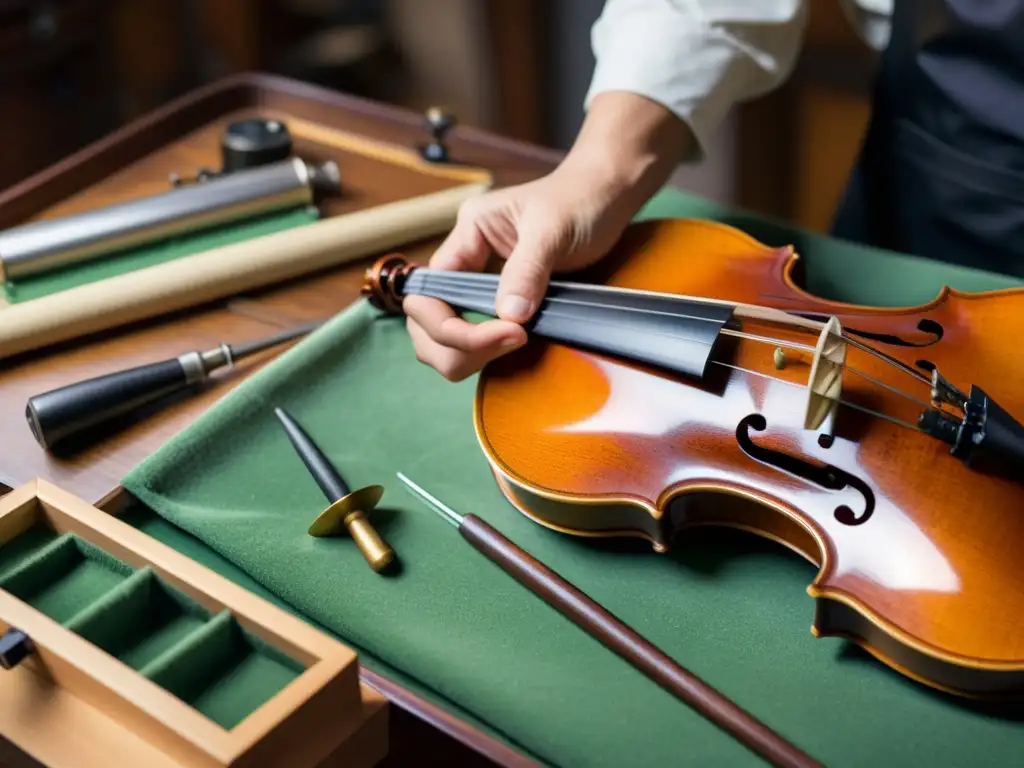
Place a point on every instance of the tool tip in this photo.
(443, 510)
(291, 427)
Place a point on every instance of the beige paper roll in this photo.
(228, 270)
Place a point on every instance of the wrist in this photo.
(628, 146)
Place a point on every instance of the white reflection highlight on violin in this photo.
(645, 406)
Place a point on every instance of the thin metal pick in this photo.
(436, 504)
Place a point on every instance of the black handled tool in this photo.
(59, 414)
(348, 509)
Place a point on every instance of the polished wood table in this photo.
(95, 471)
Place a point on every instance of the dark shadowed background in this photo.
(72, 70)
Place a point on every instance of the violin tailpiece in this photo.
(985, 438)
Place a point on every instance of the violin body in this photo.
(919, 555)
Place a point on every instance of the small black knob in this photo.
(15, 645)
(439, 123)
(253, 142)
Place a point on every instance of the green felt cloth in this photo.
(207, 661)
(135, 259)
(729, 606)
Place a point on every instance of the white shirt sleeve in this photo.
(698, 58)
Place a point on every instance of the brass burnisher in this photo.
(349, 509)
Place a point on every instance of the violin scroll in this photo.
(382, 282)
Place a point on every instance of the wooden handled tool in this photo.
(616, 635)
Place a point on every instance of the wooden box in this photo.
(142, 657)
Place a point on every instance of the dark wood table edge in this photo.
(448, 724)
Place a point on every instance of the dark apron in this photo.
(941, 171)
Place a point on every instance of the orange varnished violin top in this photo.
(689, 380)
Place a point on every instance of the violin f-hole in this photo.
(932, 329)
(824, 476)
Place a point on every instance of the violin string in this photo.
(554, 312)
(890, 387)
(847, 403)
(477, 295)
(486, 283)
(768, 340)
(887, 359)
(470, 281)
(492, 280)
(845, 366)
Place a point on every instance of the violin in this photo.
(688, 380)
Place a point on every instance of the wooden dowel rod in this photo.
(228, 270)
(616, 635)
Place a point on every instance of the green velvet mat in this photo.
(210, 662)
(731, 607)
(135, 259)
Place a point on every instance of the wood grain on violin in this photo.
(818, 424)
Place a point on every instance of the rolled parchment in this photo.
(229, 270)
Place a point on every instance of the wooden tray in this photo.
(139, 157)
(389, 196)
(139, 654)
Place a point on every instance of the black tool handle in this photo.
(56, 415)
(327, 477)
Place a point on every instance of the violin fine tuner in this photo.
(982, 434)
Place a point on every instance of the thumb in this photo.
(524, 279)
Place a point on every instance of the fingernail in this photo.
(515, 308)
(510, 343)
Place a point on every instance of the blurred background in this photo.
(73, 70)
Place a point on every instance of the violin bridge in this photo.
(825, 383)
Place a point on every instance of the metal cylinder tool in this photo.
(49, 244)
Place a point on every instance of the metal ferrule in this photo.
(199, 365)
(194, 367)
(47, 245)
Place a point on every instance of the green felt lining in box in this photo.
(208, 661)
(729, 606)
(160, 252)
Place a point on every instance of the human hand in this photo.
(567, 220)
(559, 223)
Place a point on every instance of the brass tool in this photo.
(349, 509)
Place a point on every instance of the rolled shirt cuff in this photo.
(697, 66)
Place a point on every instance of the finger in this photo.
(525, 276)
(440, 322)
(464, 249)
(451, 363)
